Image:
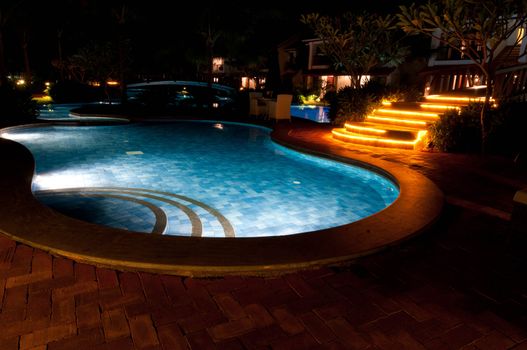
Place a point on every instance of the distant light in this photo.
(20, 82)
(95, 83)
(47, 83)
(216, 79)
(215, 105)
(112, 82)
(218, 126)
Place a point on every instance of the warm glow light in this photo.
(373, 139)
(112, 82)
(215, 79)
(215, 104)
(399, 112)
(352, 127)
(386, 103)
(436, 106)
(20, 82)
(456, 98)
(397, 120)
(218, 126)
(47, 83)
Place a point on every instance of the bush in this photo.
(507, 129)
(457, 131)
(17, 105)
(71, 91)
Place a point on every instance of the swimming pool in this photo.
(319, 114)
(206, 179)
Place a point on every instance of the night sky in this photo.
(162, 36)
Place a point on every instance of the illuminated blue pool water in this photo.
(319, 114)
(196, 178)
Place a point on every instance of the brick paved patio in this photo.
(460, 285)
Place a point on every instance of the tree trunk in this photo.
(3, 69)
(59, 49)
(483, 114)
(27, 67)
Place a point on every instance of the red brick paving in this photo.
(461, 285)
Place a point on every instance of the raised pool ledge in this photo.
(26, 220)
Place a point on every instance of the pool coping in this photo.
(26, 220)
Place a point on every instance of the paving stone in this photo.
(263, 337)
(230, 307)
(9, 343)
(176, 291)
(460, 335)
(289, 323)
(170, 314)
(84, 272)
(171, 338)
(494, 340)
(62, 268)
(259, 315)
(85, 340)
(47, 335)
(347, 334)
(39, 305)
(63, 310)
(106, 278)
(299, 341)
(88, 316)
(200, 340)
(77, 288)
(226, 284)
(115, 324)
(300, 286)
(143, 332)
(154, 290)
(317, 328)
(130, 283)
(231, 329)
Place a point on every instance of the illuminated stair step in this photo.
(394, 120)
(406, 114)
(358, 139)
(387, 131)
(455, 99)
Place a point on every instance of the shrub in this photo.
(353, 105)
(457, 131)
(507, 129)
(17, 105)
(71, 91)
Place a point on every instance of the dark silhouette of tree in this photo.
(474, 28)
(357, 43)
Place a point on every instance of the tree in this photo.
(476, 29)
(357, 43)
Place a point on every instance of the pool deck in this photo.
(461, 284)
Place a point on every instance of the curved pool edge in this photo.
(28, 221)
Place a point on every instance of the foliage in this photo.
(352, 104)
(17, 105)
(474, 28)
(97, 61)
(357, 43)
(457, 131)
(73, 91)
(507, 134)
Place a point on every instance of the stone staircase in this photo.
(400, 124)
